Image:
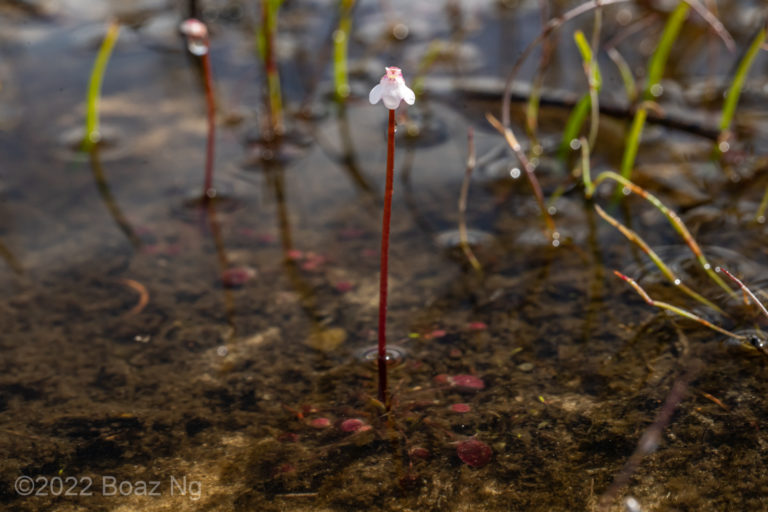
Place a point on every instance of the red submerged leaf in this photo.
(461, 408)
(474, 453)
(352, 425)
(466, 382)
(320, 422)
(237, 276)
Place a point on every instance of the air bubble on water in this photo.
(514, 172)
(657, 90)
(222, 350)
(575, 144)
(724, 147)
(707, 266)
(626, 191)
(551, 210)
(677, 282)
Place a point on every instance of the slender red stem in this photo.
(210, 103)
(385, 259)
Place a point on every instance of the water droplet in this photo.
(514, 173)
(575, 144)
(222, 351)
(551, 210)
(626, 191)
(677, 282)
(707, 266)
(724, 147)
(555, 243)
(657, 90)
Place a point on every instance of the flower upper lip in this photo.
(391, 90)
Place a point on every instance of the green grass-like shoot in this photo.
(592, 70)
(674, 309)
(677, 223)
(734, 91)
(655, 71)
(340, 48)
(573, 125)
(760, 215)
(92, 133)
(265, 42)
(630, 86)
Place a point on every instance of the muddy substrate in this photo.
(250, 409)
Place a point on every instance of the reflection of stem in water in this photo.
(532, 108)
(595, 291)
(10, 259)
(208, 190)
(275, 177)
(651, 438)
(411, 202)
(348, 157)
(109, 199)
(221, 255)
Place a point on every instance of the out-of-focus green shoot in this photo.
(734, 91)
(653, 85)
(92, 133)
(340, 48)
(265, 41)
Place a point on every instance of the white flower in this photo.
(391, 90)
(197, 36)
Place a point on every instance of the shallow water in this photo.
(127, 360)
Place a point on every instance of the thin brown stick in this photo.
(143, 295)
(471, 160)
(651, 438)
(744, 289)
(509, 136)
(679, 311)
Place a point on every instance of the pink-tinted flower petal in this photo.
(407, 94)
(375, 95)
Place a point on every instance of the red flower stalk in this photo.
(197, 43)
(390, 90)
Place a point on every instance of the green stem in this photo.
(671, 216)
(655, 72)
(340, 47)
(678, 311)
(92, 133)
(732, 98)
